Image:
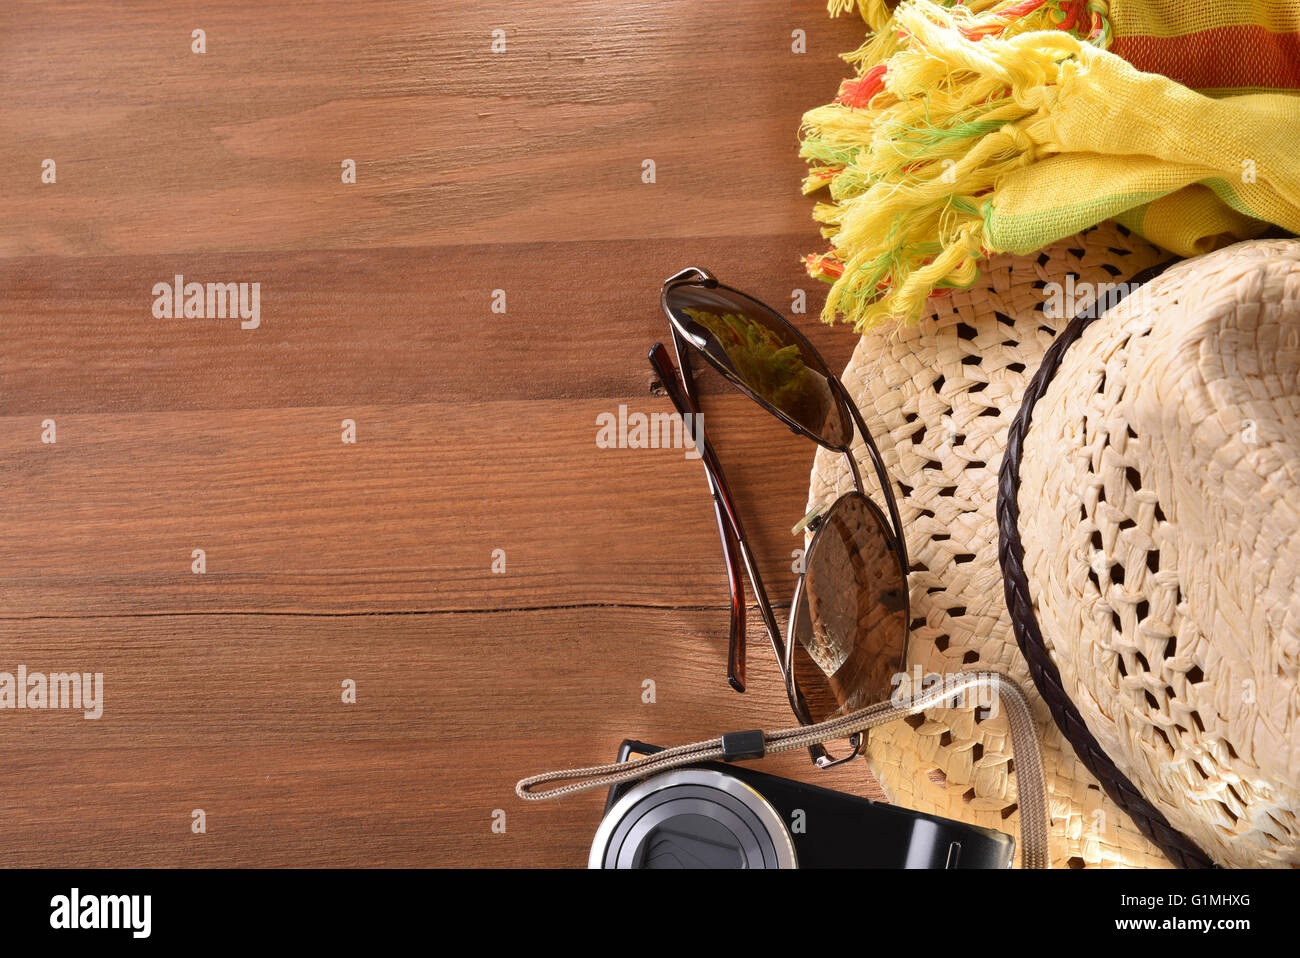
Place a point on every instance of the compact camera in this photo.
(716, 815)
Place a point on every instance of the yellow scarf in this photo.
(1002, 127)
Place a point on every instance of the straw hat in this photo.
(1158, 525)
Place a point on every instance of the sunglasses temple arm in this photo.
(718, 484)
(729, 519)
(686, 407)
(886, 485)
(736, 644)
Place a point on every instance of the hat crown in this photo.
(1161, 532)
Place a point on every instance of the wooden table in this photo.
(372, 562)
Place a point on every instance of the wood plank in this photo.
(242, 717)
(239, 149)
(291, 519)
(369, 326)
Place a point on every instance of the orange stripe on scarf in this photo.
(1239, 57)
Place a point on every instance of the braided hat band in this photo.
(1149, 513)
(1180, 850)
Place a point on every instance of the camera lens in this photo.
(692, 818)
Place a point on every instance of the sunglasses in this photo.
(847, 632)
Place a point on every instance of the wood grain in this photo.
(476, 430)
(239, 149)
(240, 715)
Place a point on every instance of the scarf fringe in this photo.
(947, 101)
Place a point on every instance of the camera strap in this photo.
(741, 746)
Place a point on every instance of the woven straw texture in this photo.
(1160, 519)
(939, 397)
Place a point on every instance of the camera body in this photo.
(716, 815)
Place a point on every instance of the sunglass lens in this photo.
(756, 348)
(849, 633)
